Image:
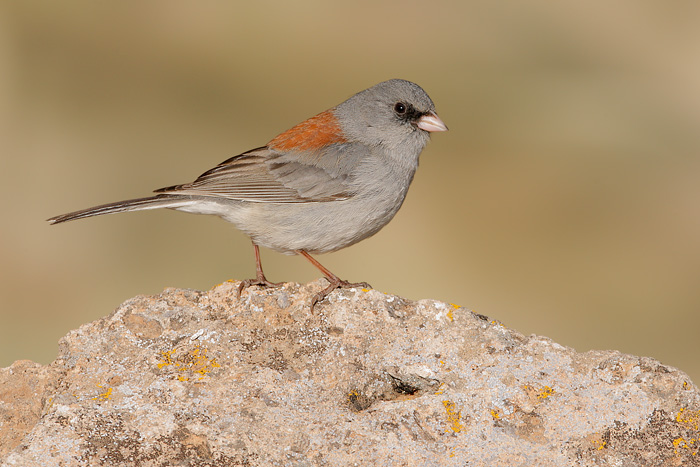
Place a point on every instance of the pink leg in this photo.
(259, 276)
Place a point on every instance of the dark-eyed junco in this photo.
(330, 181)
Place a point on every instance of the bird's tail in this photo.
(152, 202)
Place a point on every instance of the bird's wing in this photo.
(267, 175)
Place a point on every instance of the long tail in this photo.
(152, 202)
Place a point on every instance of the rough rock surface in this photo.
(202, 379)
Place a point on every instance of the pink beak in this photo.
(431, 122)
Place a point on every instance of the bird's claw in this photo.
(262, 282)
(336, 284)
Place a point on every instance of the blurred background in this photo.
(564, 200)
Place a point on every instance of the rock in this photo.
(24, 387)
(202, 379)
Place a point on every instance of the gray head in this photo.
(395, 114)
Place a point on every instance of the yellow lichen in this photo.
(167, 359)
(691, 419)
(443, 365)
(682, 443)
(450, 314)
(545, 393)
(453, 416)
(222, 283)
(542, 393)
(103, 396)
(688, 420)
(189, 364)
(495, 414)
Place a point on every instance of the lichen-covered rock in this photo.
(24, 387)
(203, 379)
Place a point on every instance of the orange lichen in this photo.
(453, 416)
(685, 444)
(193, 363)
(103, 396)
(545, 392)
(167, 359)
(224, 282)
(450, 313)
(692, 418)
(689, 420)
(541, 393)
(443, 365)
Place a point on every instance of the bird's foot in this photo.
(260, 281)
(336, 283)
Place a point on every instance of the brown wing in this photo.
(265, 175)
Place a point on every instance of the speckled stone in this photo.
(203, 379)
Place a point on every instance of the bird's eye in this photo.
(400, 108)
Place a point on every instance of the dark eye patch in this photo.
(407, 112)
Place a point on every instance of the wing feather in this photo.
(265, 175)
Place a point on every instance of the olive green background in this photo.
(564, 200)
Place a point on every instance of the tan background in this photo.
(564, 201)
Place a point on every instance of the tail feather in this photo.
(152, 202)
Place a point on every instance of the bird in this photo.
(324, 184)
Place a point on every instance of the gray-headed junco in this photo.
(327, 183)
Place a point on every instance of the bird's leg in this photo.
(335, 281)
(260, 278)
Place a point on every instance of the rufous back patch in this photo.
(310, 135)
